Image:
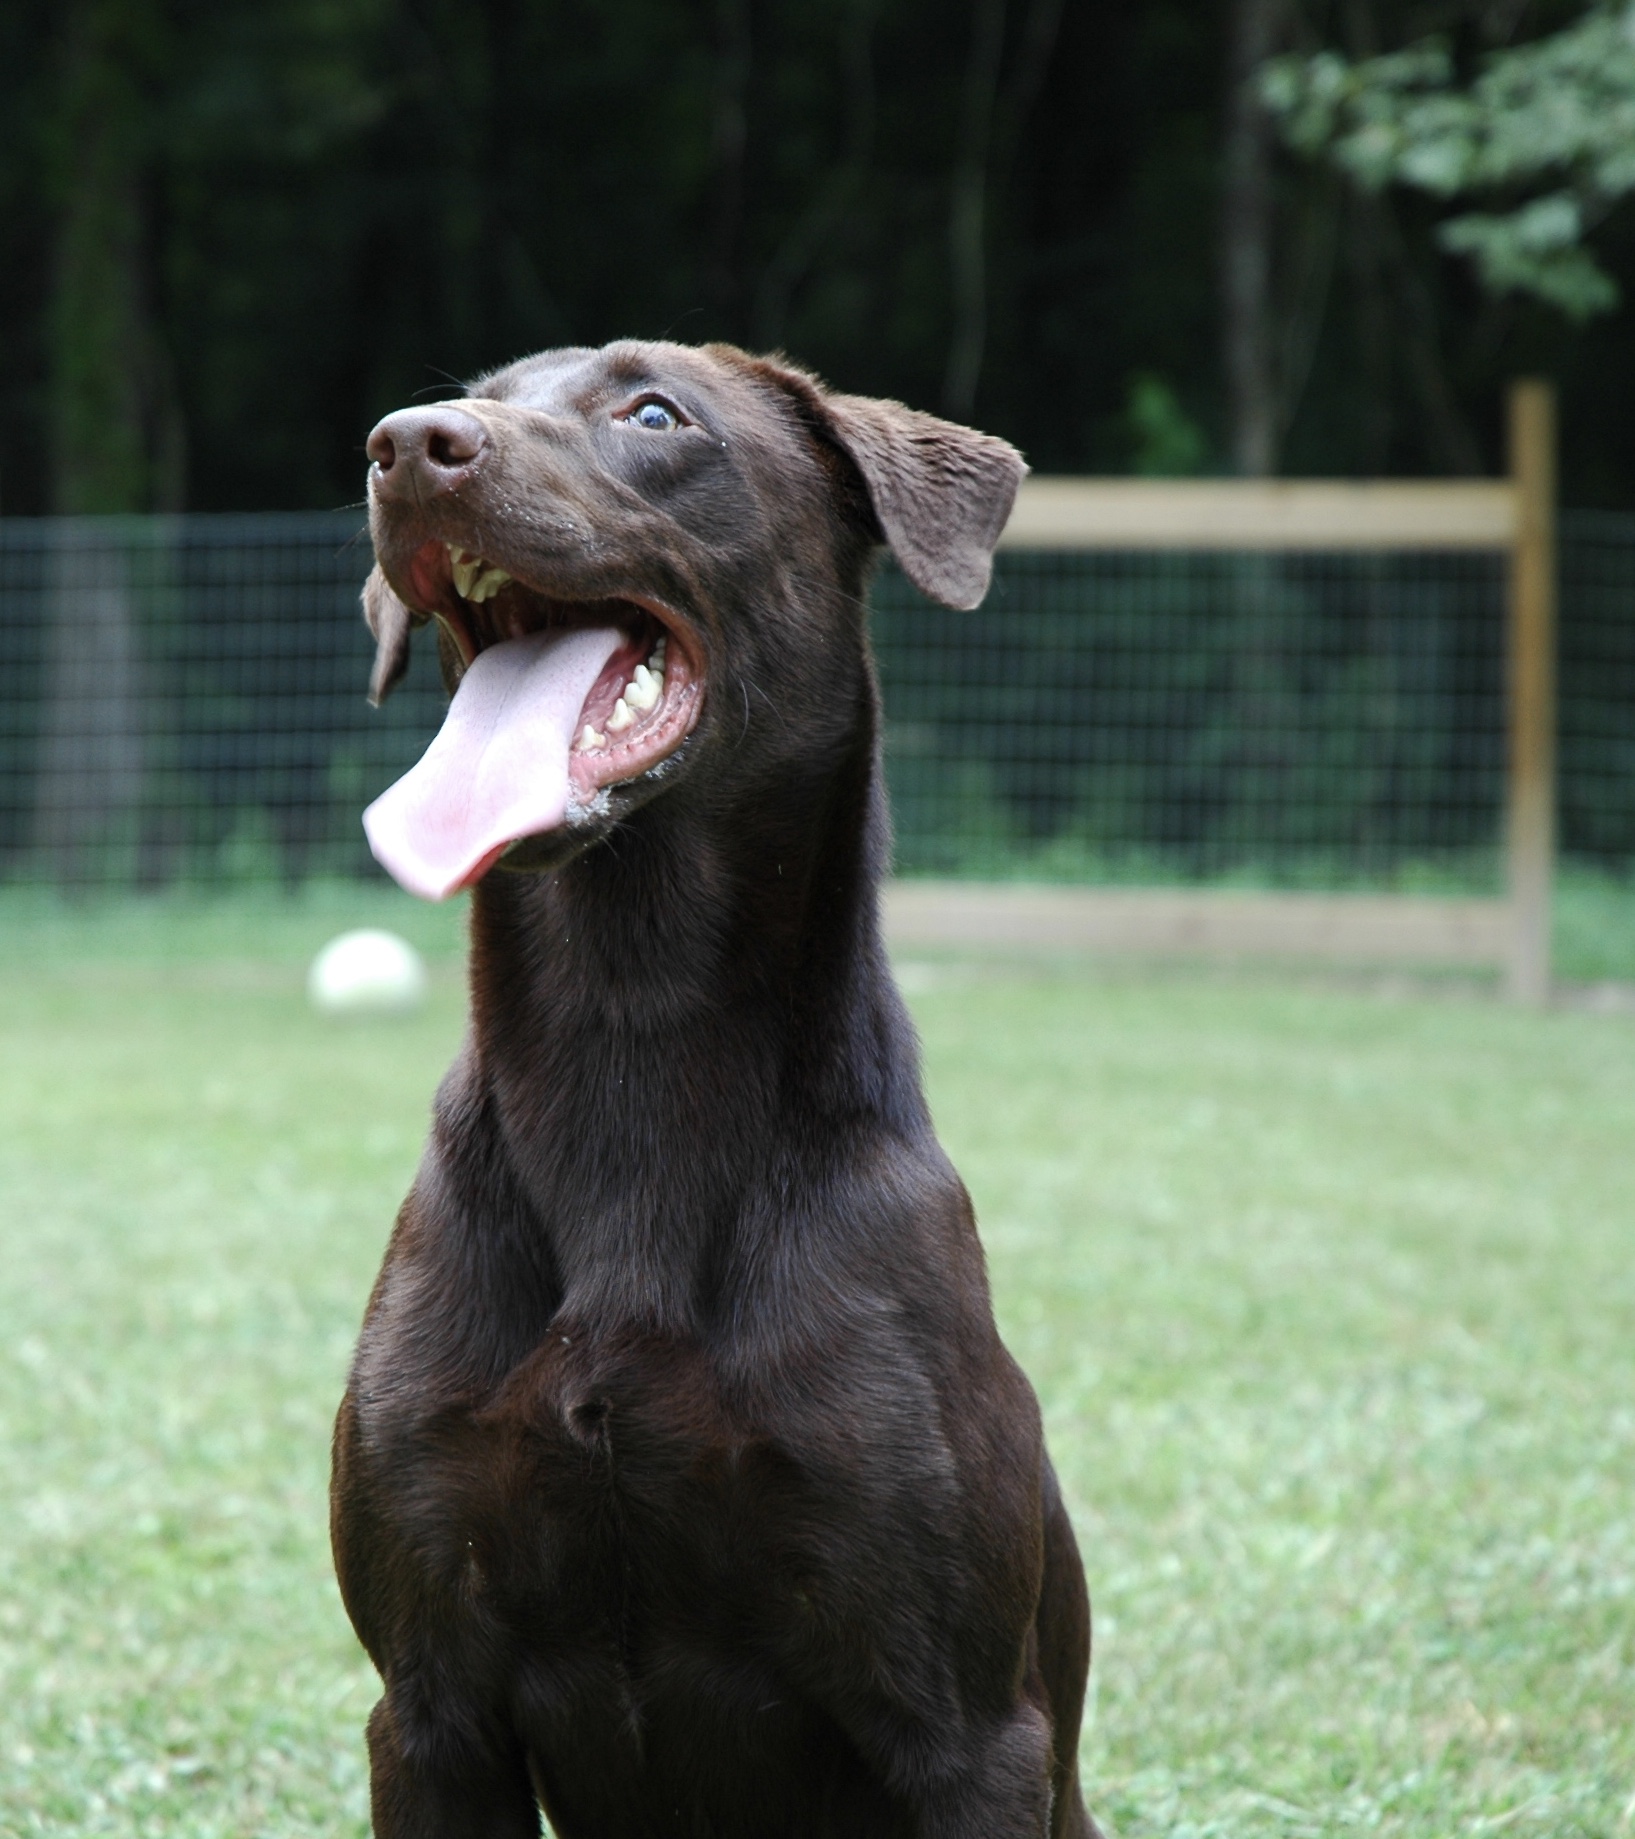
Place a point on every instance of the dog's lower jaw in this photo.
(554, 850)
(593, 811)
(593, 819)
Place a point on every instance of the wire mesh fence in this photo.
(1597, 689)
(181, 701)
(1307, 719)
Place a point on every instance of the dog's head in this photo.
(673, 541)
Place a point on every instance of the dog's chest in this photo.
(610, 1548)
(608, 1485)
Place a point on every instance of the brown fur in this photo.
(682, 1483)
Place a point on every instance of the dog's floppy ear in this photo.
(391, 622)
(941, 493)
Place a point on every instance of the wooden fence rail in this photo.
(1513, 516)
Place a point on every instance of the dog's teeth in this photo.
(488, 584)
(620, 719)
(642, 691)
(590, 740)
(466, 569)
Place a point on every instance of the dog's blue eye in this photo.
(656, 416)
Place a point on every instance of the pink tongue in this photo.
(498, 769)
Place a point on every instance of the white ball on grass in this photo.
(367, 973)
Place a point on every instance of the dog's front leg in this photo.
(424, 1789)
(999, 1787)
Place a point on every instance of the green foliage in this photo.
(1594, 926)
(143, 105)
(334, 204)
(245, 229)
(1558, 112)
(1167, 442)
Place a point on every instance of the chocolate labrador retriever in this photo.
(682, 1484)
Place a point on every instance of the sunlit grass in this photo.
(1330, 1297)
(1332, 1306)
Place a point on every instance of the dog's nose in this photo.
(419, 452)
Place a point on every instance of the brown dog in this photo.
(682, 1483)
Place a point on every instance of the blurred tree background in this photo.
(237, 231)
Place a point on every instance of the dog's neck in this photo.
(659, 1023)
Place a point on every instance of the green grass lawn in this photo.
(1329, 1294)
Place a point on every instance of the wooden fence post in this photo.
(1530, 689)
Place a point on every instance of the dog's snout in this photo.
(422, 451)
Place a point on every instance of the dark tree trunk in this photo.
(729, 147)
(116, 434)
(1247, 222)
(968, 210)
(89, 787)
(117, 438)
(800, 249)
(1453, 444)
(1371, 310)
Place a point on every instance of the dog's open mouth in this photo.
(557, 701)
(641, 706)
